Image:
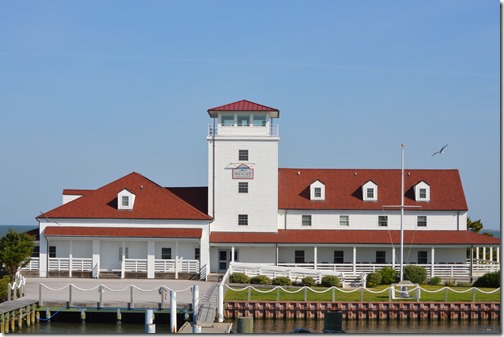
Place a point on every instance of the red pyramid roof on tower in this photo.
(242, 105)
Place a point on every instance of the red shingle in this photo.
(343, 189)
(124, 232)
(152, 202)
(356, 236)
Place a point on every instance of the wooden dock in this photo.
(14, 313)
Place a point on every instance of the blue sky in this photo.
(93, 90)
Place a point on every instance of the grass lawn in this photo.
(368, 295)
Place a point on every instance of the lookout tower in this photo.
(243, 167)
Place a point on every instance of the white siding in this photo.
(261, 201)
(70, 197)
(436, 220)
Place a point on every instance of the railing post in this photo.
(306, 294)
(333, 294)
(446, 295)
(131, 297)
(474, 295)
(249, 293)
(195, 302)
(173, 311)
(278, 294)
(100, 290)
(162, 292)
(220, 308)
(70, 301)
(40, 295)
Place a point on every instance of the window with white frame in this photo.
(317, 190)
(243, 120)
(166, 253)
(125, 200)
(421, 221)
(306, 220)
(299, 256)
(338, 256)
(370, 191)
(422, 191)
(243, 155)
(227, 120)
(382, 220)
(243, 219)
(380, 256)
(422, 257)
(344, 220)
(243, 187)
(259, 120)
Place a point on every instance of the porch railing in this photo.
(34, 264)
(443, 270)
(181, 266)
(63, 264)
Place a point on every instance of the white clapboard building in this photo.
(345, 220)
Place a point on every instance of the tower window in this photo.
(243, 219)
(306, 220)
(227, 120)
(243, 155)
(259, 120)
(382, 220)
(243, 120)
(243, 187)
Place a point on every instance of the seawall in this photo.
(364, 310)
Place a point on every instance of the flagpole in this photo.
(402, 212)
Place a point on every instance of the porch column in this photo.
(477, 255)
(314, 257)
(432, 252)
(491, 254)
(276, 257)
(123, 263)
(150, 258)
(176, 260)
(484, 254)
(354, 260)
(393, 257)
(497, 255)
(232, 254)
(96, 258)
(70, 256)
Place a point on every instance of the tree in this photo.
(15, 251)
(474, 226)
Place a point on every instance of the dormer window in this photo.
(125, 200)
(317, 190)
(370, 191)
(422, 191)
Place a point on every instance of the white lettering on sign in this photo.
(243, 172)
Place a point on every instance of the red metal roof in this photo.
(151, 202)
(243, 105)
(124, 232)
(343, 189)
(421, 237)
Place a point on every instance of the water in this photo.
(285, 326)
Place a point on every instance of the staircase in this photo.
(214, 277)
(110, 274)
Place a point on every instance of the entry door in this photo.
(225, 258)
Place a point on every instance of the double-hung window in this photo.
(422, 221)
(227, 120)
(299, 256)
(344, 220)
(306, 220)
(243, 187)
(242, 219)
(380, 256)
(243, 155)
(121, 253)
(338, 256)
(422, 257)
(52, 251)
(382, 220)
(259, 120)
(166, 253)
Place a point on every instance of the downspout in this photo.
(213, 169)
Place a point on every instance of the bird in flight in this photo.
(440, 151)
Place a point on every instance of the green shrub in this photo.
(489, 280)
(4, 284)
(388, 275)
(373, 279)
(281, 281)
(260, 279)
(450, 283)
(330, 281)
(308, 281)
(435, 281)
(416, 274)
(239, 278)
